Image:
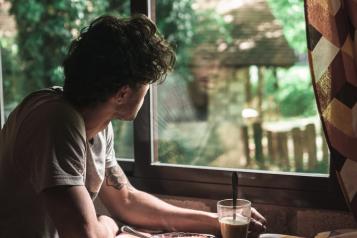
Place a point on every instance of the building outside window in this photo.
(241, 95)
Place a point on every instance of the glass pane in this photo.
(33, 50)
(241, 94)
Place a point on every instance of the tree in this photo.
(10, 70)
(186, 28)
(291, 15)
(44, 30)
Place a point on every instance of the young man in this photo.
(57, 146)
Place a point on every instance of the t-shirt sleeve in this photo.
(110, 159)
(58, 149)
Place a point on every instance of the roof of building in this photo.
(258, 38)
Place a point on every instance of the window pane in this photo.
(32, 51)
(241, 94)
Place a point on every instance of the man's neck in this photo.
(96, 119)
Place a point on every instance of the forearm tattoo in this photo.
(116, 178)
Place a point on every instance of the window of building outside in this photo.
(33, 50)
(241, 95)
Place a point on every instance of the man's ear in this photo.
(122, 94)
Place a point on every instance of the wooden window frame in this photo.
(2, 110)
(285, 189)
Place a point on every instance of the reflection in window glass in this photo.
(241, 95)
(34, 38)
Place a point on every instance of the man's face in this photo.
(131, 103)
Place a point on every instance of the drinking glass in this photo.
(234, 221)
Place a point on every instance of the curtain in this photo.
(332, 45)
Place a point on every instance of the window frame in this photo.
(2, 110)
(285, 189)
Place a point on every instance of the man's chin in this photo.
(129, 118)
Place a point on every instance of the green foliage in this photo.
(212, 149)
(174, 152)
(295, 95)
(290, 14)
(45, 30)
(175, 21)
(183, 145)
(185, 28)
(293, 92)
(210, 27)
(118, 8)
(10, 71)
(124, 138)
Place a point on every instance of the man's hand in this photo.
(125, 235)
(109, 223)
(258, 224)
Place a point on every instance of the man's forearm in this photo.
(148, 211)
(72, 211)
(142, 209)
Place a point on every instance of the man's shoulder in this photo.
(49, 108)
(45, 93)
(50, 102)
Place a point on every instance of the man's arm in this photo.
(144, 210)
(73, 213)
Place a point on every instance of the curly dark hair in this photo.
(111, 53)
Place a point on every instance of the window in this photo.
(243, 96)
(237, 101)
(31, 59)
(240, 99)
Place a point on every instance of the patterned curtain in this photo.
(332, 52)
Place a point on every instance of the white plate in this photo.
(183, 234)
(267, 235)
